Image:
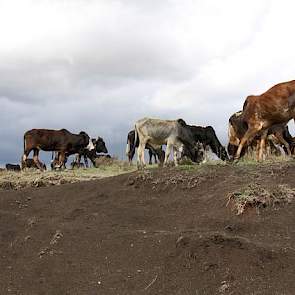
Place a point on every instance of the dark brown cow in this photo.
(275, 106)
(61, 141)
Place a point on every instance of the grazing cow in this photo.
(131, 145)
(99, 147)
(275, 106)
(30, 163)
(278, 133)
(62, 141)
(12, 167)
(207, 136)
(156, 132)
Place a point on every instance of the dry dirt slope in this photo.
(158, 232)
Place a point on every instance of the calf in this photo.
(12, 167)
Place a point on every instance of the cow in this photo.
(131, 145)
(99, 147)
(12, 167)
(277, 134)
(61, 141)
(260, 112)
(30, 163)
(207, 136)
(172, 133)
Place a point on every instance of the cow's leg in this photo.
(249, 135)
(256, 151)
(25, 157)
(175, 155)
(150, 157)
(86, 161)
(155, 156)
(36, 159)
(280, 137)
(61, 159)
(140, 154)
(167, 153)
(262, 145)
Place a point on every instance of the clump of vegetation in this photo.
(255, 196)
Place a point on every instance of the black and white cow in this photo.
(173, 133)
(99, 147)
(207, 136)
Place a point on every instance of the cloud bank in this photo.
(99, 66)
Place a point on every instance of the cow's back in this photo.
(276, 105)
(156, 130)
(46, 139)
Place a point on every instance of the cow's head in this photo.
(194, 152)
(232, 149)
(222, 154)
(199, 152)
(88, 142)
(100, 146)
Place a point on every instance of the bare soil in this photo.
(159, 231)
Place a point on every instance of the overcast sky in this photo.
(100, 65)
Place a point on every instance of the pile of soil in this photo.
(160, 231)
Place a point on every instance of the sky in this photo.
(99, 66)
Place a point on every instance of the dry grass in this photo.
(255, 196)
(35, 178)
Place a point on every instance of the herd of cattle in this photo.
(262, 123)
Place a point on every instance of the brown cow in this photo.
(277, 134)
(61, 141)
(275, 106)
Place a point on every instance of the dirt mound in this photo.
(158, 231)
(237, 265)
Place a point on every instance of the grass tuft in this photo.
(255, 196)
